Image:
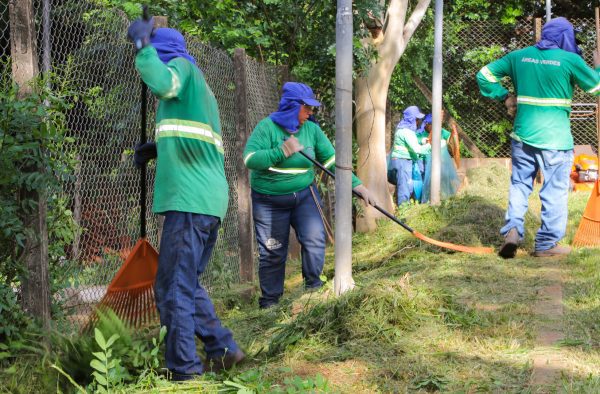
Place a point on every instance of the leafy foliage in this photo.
(36, 157)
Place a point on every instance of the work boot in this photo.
(557, 250)
(508, 250)
(227, 361)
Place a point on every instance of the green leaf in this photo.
(100, 339)
(98, 366)
(4, 355)
(100, 356)
(112, 340)
(100, 379)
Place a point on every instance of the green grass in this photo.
(421, 319)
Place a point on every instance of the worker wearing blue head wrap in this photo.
(559, 34)
(191, 191)
(449, 181)
(406, 151)
(544, 76)
(283, 190)
(170, 44)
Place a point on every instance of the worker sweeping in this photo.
(191, 192)
(543, 77)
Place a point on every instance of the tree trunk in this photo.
(371, 98)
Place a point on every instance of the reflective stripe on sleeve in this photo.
(175, 85)
(488, 74)
(329, 162)
(248, 156)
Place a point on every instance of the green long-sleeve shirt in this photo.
(190, 173)
(543, 81)
(273, 173)
(406, 145)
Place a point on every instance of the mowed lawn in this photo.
(423, 319)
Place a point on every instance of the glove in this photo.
(511, 105)
(291, 146)
(364, 193)
(140, 31)
(143, 153)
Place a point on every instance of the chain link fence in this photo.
(4, 34)
(468, 47)
(85, 44)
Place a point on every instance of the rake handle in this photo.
(376, 206)
(143, 139)
(598, 98)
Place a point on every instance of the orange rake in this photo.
(130, 295)
(588, 232)
(446, 245)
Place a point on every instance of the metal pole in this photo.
(548, 10)
(343, 148)
(437, 104)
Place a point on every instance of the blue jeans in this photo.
(556, 167)
(404, 183)
(185, 308)
(273, 215)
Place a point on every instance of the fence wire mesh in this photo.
(85, 44)
(471, 46)
(4, 34)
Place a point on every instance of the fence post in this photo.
(35, 288)
(537, 23)
(245, 230)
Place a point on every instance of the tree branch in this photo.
(415, 19)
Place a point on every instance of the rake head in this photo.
(130, 295)
(588, 232)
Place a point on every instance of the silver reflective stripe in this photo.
(594, 89)
(544, 102)
(329, 162)
(289, 170)
(488, 74)
(171, 130)
(175, 85)
(248, 156)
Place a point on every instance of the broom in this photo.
(130, 295)
(588, 232)
(447, 245)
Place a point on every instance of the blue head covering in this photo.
(428, 119)
(559, 34)
(169, 44)
(409, 118)
(293, 96)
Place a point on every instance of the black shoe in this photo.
(227, 361)
(180, 377)
(508, 250)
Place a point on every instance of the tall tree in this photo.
(390, 33)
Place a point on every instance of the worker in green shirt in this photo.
(283, 190)
(406, 151)
(191, 191)
(543, 77)
(449, 181)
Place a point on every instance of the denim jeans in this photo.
(183, 304)
(273, 215)
(556, 167)
(404, 183)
